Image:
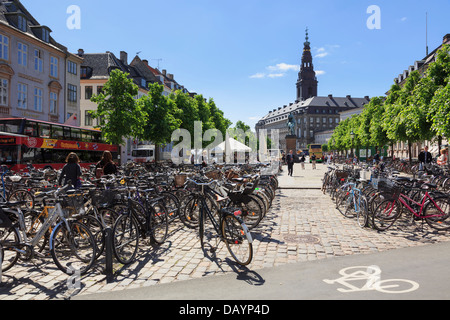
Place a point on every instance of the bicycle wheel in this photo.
(96, 228)
(386, 213)
(252, 213)
(238, 239)
(22, 195)
(159, 224)
(190, 213)
(362, 215)
(9, 240)
(74, 249)
(437, 213)
(125, 238)
(344, 204)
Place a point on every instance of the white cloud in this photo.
(276, 75)
(321, 55)
(284, 67)
(320, 72)
(257, 76)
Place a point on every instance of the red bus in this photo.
(27, 141)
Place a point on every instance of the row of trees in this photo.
(152, 117)
(417, 111)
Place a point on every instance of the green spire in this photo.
(307, 38)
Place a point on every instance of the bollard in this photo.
(109, 254)
(1, 261)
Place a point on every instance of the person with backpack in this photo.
(105, 166)
(71, 171)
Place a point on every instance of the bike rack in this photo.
(109, 254)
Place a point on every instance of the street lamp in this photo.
(352, 135)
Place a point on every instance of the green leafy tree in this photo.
(120, 115)
(163, 116)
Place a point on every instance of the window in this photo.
(311, 120)
(143, 83)
(22, 23)
(324, 120)
(22, 54)
(44, 130)
(4, 47)
(53, 103)
(37, 99)
(87, 118)
(54, 67)
(72, 67)
(83, 71)
(38, 62)
(57, 132)
(45, 35)
(72, 92)
(22, 95)
(88, 92)
(99, 89)
(3, 92)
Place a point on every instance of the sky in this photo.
(245, 54)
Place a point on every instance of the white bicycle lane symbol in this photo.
(366, 278)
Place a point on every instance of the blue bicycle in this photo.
(351, 202)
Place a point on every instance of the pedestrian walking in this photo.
(71, 171)
(302, 161)
(425, 158)
(106, 165)
(313, 161)
(290, 163)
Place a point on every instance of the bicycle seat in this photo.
(427, 186)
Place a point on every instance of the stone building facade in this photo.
(313, 114)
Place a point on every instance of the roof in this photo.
(343, 103)
(10, 8)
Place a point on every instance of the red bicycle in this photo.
(433, 208)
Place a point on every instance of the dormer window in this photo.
(21, 23)
(143, 83)
(45, 35)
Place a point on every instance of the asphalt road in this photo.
(402, 274)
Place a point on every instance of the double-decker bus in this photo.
(317, 150)
(26, 141)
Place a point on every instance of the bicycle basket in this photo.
(103, 198)
(389, 187)
(180, 179)
(73, 204)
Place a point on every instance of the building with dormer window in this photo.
(33, 77)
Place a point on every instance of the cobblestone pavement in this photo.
(302, 225)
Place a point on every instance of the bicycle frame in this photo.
(421, 205)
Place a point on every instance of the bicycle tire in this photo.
(362, 215)
(22, 195)
(385, 214)
(73, 250)
(9, 240)
(125, 238)
(159, 223)
(442, 220)
(237, 239)
(190, 214)
(344, 204)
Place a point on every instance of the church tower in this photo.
(307, 81)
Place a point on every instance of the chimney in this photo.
(145, 61)
(446, 39)
(348, 96)
(170, 76)
(330, 96)
(164, 72)
(80, 52)
(367, 98)
(124, 57)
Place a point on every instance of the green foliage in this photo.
(417, 111)
(120, 115)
